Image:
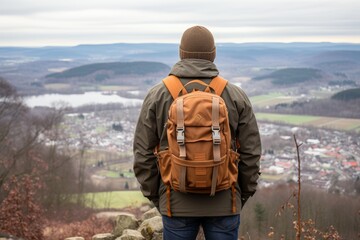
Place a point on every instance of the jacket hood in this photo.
(190, 68)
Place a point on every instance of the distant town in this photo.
(329, 159)
(105, 130)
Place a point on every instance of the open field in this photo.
(271, 99)
(115, 200)
(323, 93)
(94, 155)
(287, 118)
(101, 129)
(57, 86)
(108, 173)
(116, 88)
(274, 98)
(347, 124)
(115, 173)
(270, 177)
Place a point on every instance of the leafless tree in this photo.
(25, 133)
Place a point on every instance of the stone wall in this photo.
(128, 227)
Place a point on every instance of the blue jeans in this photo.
(215, 228)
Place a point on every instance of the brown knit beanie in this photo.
(197, 42)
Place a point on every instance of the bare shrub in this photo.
(21, 213)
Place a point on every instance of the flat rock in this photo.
(129, 234)
(125, 221)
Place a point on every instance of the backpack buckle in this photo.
(180, 135)
(216, 134)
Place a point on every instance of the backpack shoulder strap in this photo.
(218, 84)
(174, 85)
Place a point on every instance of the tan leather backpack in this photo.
(199, 158)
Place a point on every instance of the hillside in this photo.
(343, 104)
(115, 68)
(291, 76)
(105, 75)
(32, 70)
(339, 55)
(347, 95)
(336, 61)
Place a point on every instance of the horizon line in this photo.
(174, 43)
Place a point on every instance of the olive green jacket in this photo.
(151, 132)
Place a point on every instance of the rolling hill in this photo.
(26, 67)
(347, 95)
(289, 76)
(114, 73)
(116, 68)
(339, 55)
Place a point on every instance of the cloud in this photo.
(31, 22)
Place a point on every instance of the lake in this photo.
(77, 100)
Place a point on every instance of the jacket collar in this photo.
(190, 68)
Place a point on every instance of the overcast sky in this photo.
(65, 22)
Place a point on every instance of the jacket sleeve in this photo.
(145, 141)
(250, 147)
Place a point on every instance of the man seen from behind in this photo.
(218, 214)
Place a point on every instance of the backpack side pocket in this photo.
(164, 163)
